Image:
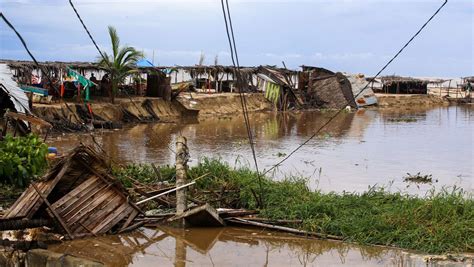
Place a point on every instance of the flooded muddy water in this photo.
(229, 247)
(357, 150)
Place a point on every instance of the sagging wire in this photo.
(360, 92)
(101, 54)
(243, 101)
(36, 62)
(47, 74)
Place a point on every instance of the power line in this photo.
(47, 74)
(87, 30)
(235, 62)
(100, 52)
(363, 89)
(243, 101)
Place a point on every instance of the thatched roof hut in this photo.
(278, 86)
(404, 85)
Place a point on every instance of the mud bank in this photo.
(143, 109)
(140, 109)
(392, 101)
(228, 103)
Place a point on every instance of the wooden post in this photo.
(181, 167)
(180, 250)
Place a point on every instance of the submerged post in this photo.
(181, 167)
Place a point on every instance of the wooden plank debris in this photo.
(55, 214)
(204, 216)
(282, 228)
(80, 193)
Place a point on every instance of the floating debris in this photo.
(419, 178)
(403, 119)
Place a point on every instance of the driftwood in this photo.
(282, 228)
(271, 221)
(225, 213)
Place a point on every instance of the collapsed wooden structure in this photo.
(79, 196)
(279, 87)
(322, 88)
(313, 87)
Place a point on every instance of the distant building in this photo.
(403, 85)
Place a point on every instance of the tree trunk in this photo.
(112, 89)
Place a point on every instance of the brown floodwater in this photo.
(357, 150)
(229, 246)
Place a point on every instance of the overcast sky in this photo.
(352, 36)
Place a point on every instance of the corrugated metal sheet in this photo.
(17, 95)
(367, 97)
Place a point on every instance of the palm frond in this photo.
(114, 38)
(121, 63)
(105, 61)
(127, 54)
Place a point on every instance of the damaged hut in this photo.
(322, 88)
(361, 89)
(15, 106)
(279, 87)
(78, 196)
(404, 85)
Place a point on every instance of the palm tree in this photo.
(121, 63)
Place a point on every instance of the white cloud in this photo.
(283, 56)
(343, 56)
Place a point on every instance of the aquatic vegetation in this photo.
(143, 173)
(281, 154)
(403, 119)
(21, 158)
(440, 222)
(419, 178)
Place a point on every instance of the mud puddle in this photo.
(230, 247)
(357, 150)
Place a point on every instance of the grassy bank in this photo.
(441, 222)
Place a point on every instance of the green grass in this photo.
(440, 222)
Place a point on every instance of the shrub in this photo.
(21, 158)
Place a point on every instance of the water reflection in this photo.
(229, 247)
(356, 150)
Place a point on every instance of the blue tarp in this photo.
(143, 63)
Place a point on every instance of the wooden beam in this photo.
(53, 211)
(282, 228)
